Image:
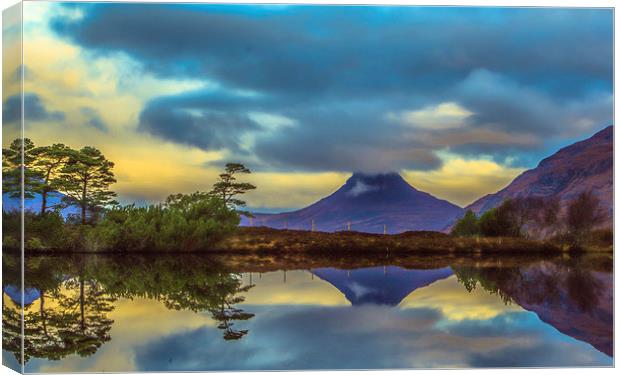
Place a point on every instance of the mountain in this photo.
(387, 285)
(34, 204)
(368, 202)
(585, 165)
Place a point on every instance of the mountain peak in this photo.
(371, 203)
(362, 183)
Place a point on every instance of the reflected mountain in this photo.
(387, 285)
(574, 300)
(14, 293)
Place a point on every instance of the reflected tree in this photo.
(77, 324)
(218, 294)
(85, 314)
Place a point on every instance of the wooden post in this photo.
(251, 221)
(313, 225)
(348, 225)
(384, 229)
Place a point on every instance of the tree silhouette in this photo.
(49, 161)
(582, 215)
(228, 188)
(18, 158)
(83, 319)
(86, 179)
(218, 295)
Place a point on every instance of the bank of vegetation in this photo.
(576, 227)
(87, 218)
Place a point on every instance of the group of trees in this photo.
(83, 177)
(184, 222)
(535, 217)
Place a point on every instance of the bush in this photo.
(187, 223)
(41, 231)
(467, 226)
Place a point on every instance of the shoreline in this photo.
(269, 241)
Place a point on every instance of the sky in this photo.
(458, 100)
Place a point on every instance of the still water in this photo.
(179, 313)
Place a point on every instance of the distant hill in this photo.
(368, 202)
(585, 165)
(34, 204)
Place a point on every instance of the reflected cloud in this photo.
(447, 296)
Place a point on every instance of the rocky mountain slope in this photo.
(585, 165)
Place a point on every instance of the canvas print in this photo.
(202, 187)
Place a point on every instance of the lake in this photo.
(178, 312)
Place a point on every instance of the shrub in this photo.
(45, 231)
(467, 226)
(190, 222)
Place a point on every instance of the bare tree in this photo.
(583, 214)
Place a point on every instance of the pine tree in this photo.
(86, 179)
(49, 162)
(228, 188)
(12, 166)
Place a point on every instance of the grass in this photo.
(266, 240)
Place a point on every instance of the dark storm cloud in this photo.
(208, 122)
(526, 75)
(34, 109)
(354, 49)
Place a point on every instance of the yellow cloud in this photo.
(292, 189)
(463, 181)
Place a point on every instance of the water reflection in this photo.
(386, 285)
(575, 300)
(96, 313)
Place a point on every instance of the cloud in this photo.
(501, 103)
(357, 50)
(34, 109)
(94, 118)
(441, 116)
(362, 88)
(360, 188)
(462, 181)
(209, 130)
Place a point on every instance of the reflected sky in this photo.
(302, 321)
